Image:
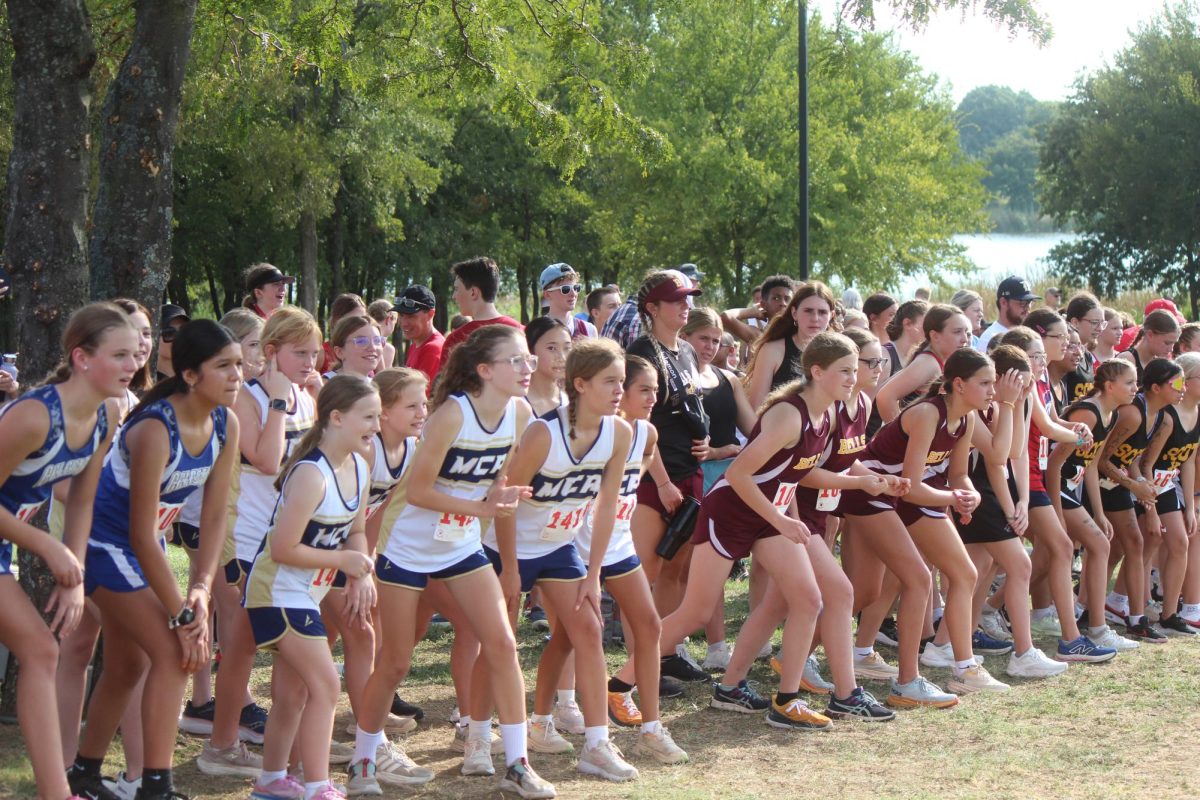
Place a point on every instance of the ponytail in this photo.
(196, 342)
(962, 363)
(339, 393)
(1110, 370)
(824, 349)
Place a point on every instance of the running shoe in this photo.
(717, 657)
(888, 633)
(543, 737)
(811, 680)
(394, 767)
(1083, 650)
(919, 693)
(860, 705)
(252, 723)
(234, 760)
(361, 780)
(993, 625)
(403, 709)
(606, 761)
(661, 747)
(439, 623)
(122, 787)
(741, 698)
(341, 753)
(197, 720)
(1045, 626)
(1110, 638)
(942, 655)
(568, 717)
(393, 724)
(1143, 631)
(477, 758)
(622, 710)
(797, 716)
(1154, 610)
(1176, 625)
(285, 788)
(674, 666)
(521, 779)
(89, 787)
(873, 667)
(975, 679)
(1033, 663)
(459, 742)
(327, 792)
(982, 643)
(1114, 615)
(536, 616)
(669, 688)
(765, 652)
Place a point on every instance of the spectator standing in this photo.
(266, 289)
(1013, 298)
(560, 294)
(416, 306)
(476, 282)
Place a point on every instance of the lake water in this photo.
(1000, 255)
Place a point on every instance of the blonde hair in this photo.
(588, 358)
(339, 393)
(242, 322)
(86, 330)
(395, 381)
(290, 325)
(1190, 363)
(699, 319)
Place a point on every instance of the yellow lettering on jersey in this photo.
(854, 444)
(937, 456)
(807, 463)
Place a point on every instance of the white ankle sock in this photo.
(594, 735)
(566, 696)
(863, 652)
(654, 727)
(480, 730)
(515, 742)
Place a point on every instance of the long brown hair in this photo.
(783, 325)
(822, 351)
(460, 373)
(85, 331)
(339, 393)
(588, 358)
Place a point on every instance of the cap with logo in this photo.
(262, 275)
(673, 290)
(555, 272)
(415, 298)
(1015, 288)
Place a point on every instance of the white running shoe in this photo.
(873, 667)
(975, 679)
(1110, 638)
(1045, 626)
(766, 651)
(811, 680)
(521, 779)
(605, 761)
(661, 747)
(394, 724)
(127, 789)
(340, 752)
(717, 657)
(942, 655)
(459, 742)
(477, 758)
(919, 693)
(394, 767)
(234, 761)
(1033, 663)
(543, 738)
(568, 717)
(993, 625)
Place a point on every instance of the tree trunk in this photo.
(45, 249)
(308, 262)
(337, 244)
(1193, 284)
(130, 244)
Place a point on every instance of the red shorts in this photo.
(728, 525)
(691, 486)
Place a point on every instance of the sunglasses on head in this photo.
(408, 304)
(567, 288)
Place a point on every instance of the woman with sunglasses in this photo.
(560, 294)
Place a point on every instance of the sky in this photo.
(973, 51)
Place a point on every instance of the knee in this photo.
(804, 600)
(39, 651)
(394, 665)
(965, 575)
(1021, 570)
(325, 686)
(838, 594)
(586, 633)
(499, 644)
(916, 580)
(647, 627)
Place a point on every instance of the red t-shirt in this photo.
(329, 360)
(460, 335)
(427, 356)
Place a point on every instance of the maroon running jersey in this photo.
(846, 445)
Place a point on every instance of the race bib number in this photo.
(1107, 484)
(1074, 481)
(456, 528)
(321, 584)
(1043, 453)
(1164, 480)
(624, 519)
(784, 495)
(563, 525)
(27, 511)
(167, 514)
(828, 499)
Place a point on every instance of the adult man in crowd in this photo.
(170, 319)
(748, 323)
(476, 282)
(416, 306)
(601, 303)
(560, 293)
(266, 289)
(1053, 298)
(1013, 298)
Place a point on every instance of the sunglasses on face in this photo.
(568, 288)
(363, 341)
(168, 334)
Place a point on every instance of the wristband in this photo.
(202, 588)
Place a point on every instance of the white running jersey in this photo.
(563, 488)
(384, 476)
(620, 545)
(257, 494)
(427, 541)
(272, 585)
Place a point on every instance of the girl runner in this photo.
(1156, 339)
(1108, 338)
(52, 433)
(776, 355)
(357, 347)
(1188, 412)
(316, 530)
(946, 329)
(1086, 317)
(174, 443)
(457, 477)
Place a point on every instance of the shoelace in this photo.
(683, 653)
(628, 704)
(549, 726)
(798, 706)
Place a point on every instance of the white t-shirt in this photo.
(995, 329)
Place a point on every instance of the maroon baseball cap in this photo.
(670, 291)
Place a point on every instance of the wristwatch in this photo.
(278, 405)
(185, 617)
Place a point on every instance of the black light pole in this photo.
(802, 221)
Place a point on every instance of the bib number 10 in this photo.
(784, 495)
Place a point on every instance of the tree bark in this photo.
(337, 244)
(308, 262)
(47, 197)
(130, 243)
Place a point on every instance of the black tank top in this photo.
(1137, 363)
(721, 406)
(789, 368)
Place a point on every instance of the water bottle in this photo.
(8, 363)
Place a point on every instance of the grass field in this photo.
(1124, 729)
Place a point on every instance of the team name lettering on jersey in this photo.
(185, 479)
(937, 456)
(1177, 456)
(808, 462)
(462, 462)
(630, 480)
(63, 469)
(1089, 453)
(582, 484)
(325, 537)
(854, 444)
(1126, 453)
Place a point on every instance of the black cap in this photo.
(415, 298)
(691, 270)
(1015, 288)
(170, 312)
(264, 274)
